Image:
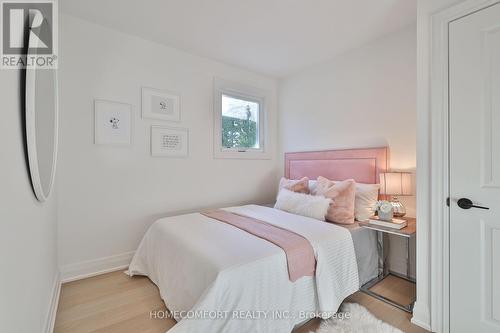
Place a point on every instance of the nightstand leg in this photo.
(382, 257)
(407, 257)
(380, 249)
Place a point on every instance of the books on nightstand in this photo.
(395, 224)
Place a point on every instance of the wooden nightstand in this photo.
(409, 231)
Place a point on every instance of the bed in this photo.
(214, 277)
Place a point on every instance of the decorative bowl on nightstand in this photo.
(385, 210)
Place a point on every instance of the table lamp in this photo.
(396, 184)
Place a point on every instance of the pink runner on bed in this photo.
(299, 252)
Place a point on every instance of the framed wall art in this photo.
(169, 142)
(113, 123)
(160, 105)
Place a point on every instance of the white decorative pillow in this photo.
(366, 199)
(314, 206)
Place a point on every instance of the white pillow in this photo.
(314, 206)
(365, 201)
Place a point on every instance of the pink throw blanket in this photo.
(299, 252)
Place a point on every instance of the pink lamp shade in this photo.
(395, 183)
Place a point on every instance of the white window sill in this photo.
(244, 155)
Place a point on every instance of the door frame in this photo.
(439, 157)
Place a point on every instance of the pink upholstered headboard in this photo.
(362, 165)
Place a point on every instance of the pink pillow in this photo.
(299, 186)
(343, 195)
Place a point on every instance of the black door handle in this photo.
(465, 203)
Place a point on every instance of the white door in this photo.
(474, 101)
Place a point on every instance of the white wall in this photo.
(28, 253)
(363, 98)
(110, 195)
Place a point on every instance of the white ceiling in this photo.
(273, 37)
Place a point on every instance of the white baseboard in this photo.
(85, 269)
(421, 316)
(54, 302)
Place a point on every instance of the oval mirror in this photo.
(41, 123)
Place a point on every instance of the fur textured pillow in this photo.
(314, 206)
(343, 195)
(299, 186)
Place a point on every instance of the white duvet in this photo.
(215, 277)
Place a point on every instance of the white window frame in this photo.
(237, 90)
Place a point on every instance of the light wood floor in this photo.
(114, 302)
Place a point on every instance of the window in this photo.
(240, 121)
